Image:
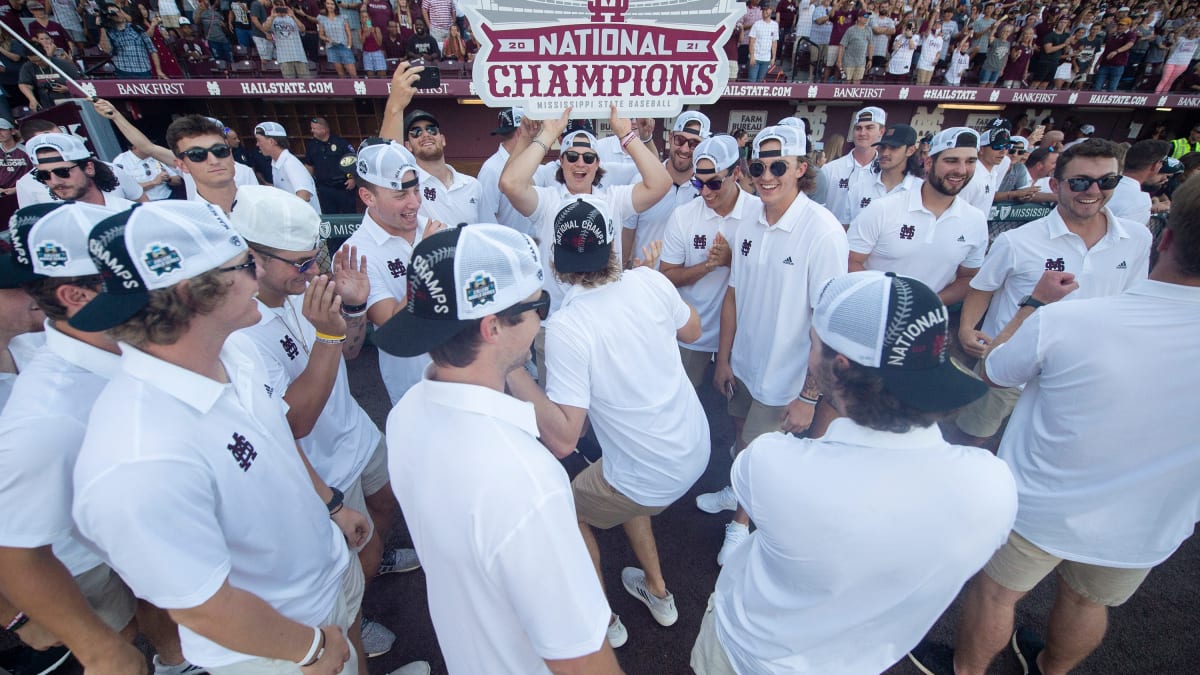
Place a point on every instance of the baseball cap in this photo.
(270, 130)
(579, 138)
(34, 4)
(16, 265)
(899, 327)
(579, 125)
(992, 136)
(1125, 22)
(457, 276)
(1087, 130)
(416, 116)
(51, 240)
(149, 247)
(791, 140)
(791, 122)
(277, 218)
(870, 114)
(999, 123)
(583, 234)
(6, 124)
(954, 137)
(898, 136)
(1171, 166)
(69, 148)
(510, 120)
(721, 150)
(384, 164)
(691, 118)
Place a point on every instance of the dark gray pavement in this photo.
(1154, 633)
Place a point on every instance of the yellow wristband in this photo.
(330, 338)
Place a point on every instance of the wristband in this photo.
(17, 621)
(330, 339)
(628, 138)
(335, 502)
(314, 650)
(810, 401)
(354, 309)
(353, 315)
(545, 148)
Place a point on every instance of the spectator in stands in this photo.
(42, 24)
(1041, 70)
(286, 30)
(334, 32)
(960, 61)
(857, 49)
(764, 41)
(66, 13)
(904, 47)
(1189, 83)
(841, 16)
(751, 16)
(211, 24)
(785, 16)
(1064, 74)
(883, 27)
(381, 12)
(350, 11)
(14, 163)
(133, 53)
(1115, 57)
(439, 16)
(422, 46)
(931, 52)
(306, 12)
(395, 43)
(239, 23)
(997, 54)
(42, 86)
(1019, 55)
(455, 48)
(168, 13)
(374, 61)
(260, 11)
(166, 43)
(1183, 52)
(189, 46)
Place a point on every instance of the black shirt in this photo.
(325, 157)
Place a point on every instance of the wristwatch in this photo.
(1030, 301)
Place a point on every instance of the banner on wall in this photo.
(647, 57)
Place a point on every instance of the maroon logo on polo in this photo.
(430, 194)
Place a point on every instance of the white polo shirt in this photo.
(869, 186)
(651, 224)
(690, 234)
(458, 203)
(242, 175)
(1103, 440)
(142, 170)
(620, 206)
(30, 191)
(980, 192)
(900, 235)
(832, 581)
(611, 351)
(344, 437)
(509, 580)
(841, 173)
(777, 274)
(288, 173)
(22, 348)
(41, 430)
(492, 203)
(1019, 256)
(1129, 202)
(388, 257)
(184, 484)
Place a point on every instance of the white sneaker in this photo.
(183, 668)
(662, 609)
(414, 668)
(735, 534)
(617, 635)
(716, 502)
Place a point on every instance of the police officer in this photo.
(323, 155)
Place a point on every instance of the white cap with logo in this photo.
(268, 216)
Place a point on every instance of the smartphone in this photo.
(281, 10)
(1041, 128)
(430, 78)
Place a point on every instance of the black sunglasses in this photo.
(301, 266)
(250, 266)
(1082, 183)
(572, 156)
(197, 155)
(684, 140)
(541, 305)
(1000, 146)
(778, 168)
(712, 183)
(43, 175)
(415, 132)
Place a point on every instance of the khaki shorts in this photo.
(982, 417)
(831, 53)
(1019, 565)
(924, 76)
(601, 505)
(108, 595)
(345, 610)
(855, 74)
(760, 418)
(375, 476)
(708, 657)
(294, 69)
(695, 364)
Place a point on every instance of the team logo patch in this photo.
(907, 231)
(866, 201)
(50, 254)
(844, 183)
(700, 242)
(746, 244)
(481, 289)
(396, 268)
(289, 347)
(162, 259)
(430, 194)
(242, 451)
(1055, 265)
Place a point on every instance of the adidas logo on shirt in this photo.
(1122, 266)
(961, 238)
(788, 261)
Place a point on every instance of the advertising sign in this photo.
(647, 57)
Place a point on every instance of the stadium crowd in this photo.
(181, 456)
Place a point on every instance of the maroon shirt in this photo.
(1113, 44)
(56, 32)
(13, 164)
(841, 23)
(380, 12)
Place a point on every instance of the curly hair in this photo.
(863, 398)
(167, 315)
(593, 279)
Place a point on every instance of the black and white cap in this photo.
(385, 164)
(510, 120)
(51, 240)
(149, 247)
(898, 326)
(457, 276)
(954, 137)
(583, 234)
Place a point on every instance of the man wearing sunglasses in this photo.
(781, 258)
(696, 254)
(927, 233)
(510, 585)
(447, 195)
(67, 168)
(993, 164)
(895, 165)
(866, 130)
(1081, 236)
(689, 129)
(304, 337)
(1141, 175)
(32, 191)
(287, 171)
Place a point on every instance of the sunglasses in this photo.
(415, 132)
(712, 183)
(1000, 146)
(301, 266)
(250, 266)
(572, 156)
(541, 305)
(684, 140)
(43, 175)
(197, 155)
(778, 168)
(1082, 183)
